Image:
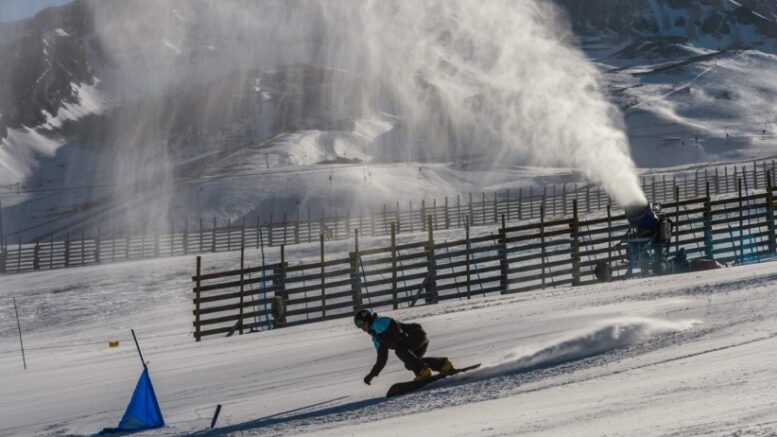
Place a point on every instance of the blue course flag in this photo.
(143, 410)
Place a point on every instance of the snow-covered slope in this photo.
(688, 355)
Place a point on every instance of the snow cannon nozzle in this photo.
(647, 220)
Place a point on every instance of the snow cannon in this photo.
(648, 222)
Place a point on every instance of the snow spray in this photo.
(497, 81)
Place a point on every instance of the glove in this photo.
(368, 379)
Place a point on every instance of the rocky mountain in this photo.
(43, 61)
(48, 59)
(133, 93)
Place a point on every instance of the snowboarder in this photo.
(407, 339)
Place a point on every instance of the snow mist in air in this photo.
(497, 81)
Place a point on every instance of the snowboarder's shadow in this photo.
(284, 417)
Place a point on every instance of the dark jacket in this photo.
(387, 334)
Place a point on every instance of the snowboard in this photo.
(402, 388)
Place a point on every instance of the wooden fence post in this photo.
(471, 211)
(269, 230)
(574, 231)
(323, 280)
(447, 215)
(458, 210)
(434, 213)
(609, 233)
(83, 249)
(201, 235)
(258, 231)
(741, 222)
(347, 222)
(770, 213)
(372, 218)
(469, 273)
(212, 236)
(127, 241)
(67, 249)
(242, 287)
(356, 288)
(385, 220)
(36, 255)
(410, 216)
(197, 334)
(321, 225)
(398, 221)
(542, 242)
(725, 179)
(279, 282)
(186, 235)
(310, 228)
(337, 225)
(507, 192)
(563, 199)
(496, 217)
(422, 214)
(502, 249)
(664, 195)
(431, 285)
(242, 234)
(296, 227)
(285, 227)
(708, 242)
(172, 237)
(19, 257)
(677, 218)
(394, 298)
(520, 203)
(51, 251)
(96, 255)
(483, 208)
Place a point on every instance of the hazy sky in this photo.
(11, 10)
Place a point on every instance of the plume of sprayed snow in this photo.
(497, 79)
(605, 336)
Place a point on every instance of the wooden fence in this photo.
(516, 257)
(202, 236)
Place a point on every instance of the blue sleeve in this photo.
(375, 343)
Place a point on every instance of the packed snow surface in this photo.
(686, 354)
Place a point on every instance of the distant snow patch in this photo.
(90, 101)
(19, 153)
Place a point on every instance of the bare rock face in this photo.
(43, 60)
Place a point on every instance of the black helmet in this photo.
(361, 316)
